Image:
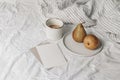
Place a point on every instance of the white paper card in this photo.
(51, 55)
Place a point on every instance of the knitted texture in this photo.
(104, 15)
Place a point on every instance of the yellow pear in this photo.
(91, 42)
(79, 33)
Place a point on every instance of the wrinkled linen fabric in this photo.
(22, 27)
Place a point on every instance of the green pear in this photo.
(79, 33)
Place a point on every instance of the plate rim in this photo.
(76, 53)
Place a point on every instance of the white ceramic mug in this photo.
(54, 29)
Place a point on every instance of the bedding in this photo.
(21, 28)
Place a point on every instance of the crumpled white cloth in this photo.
(21, 28)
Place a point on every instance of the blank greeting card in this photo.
(51, 55)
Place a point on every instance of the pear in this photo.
(91, 42)
(79, 33)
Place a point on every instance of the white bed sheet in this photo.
(21, 28)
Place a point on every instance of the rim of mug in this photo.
(57, 19)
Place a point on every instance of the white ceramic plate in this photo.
(79, 48)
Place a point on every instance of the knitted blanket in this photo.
(103, 15)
